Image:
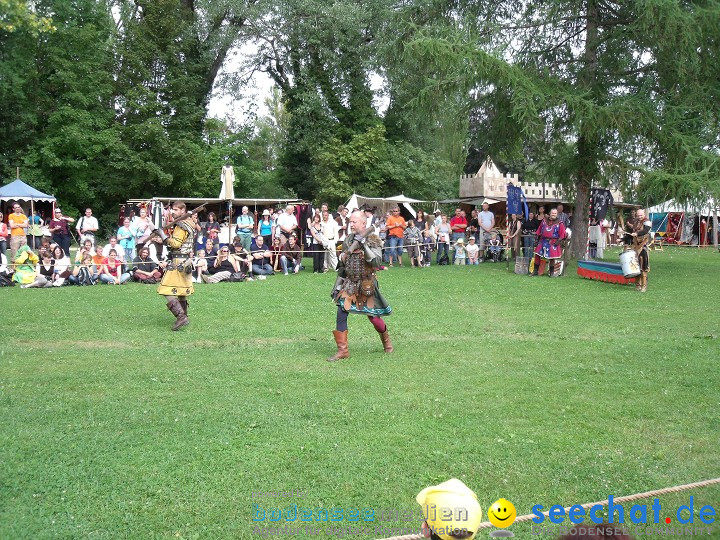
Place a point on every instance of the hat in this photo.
(460, 241)
(266, 212)
(437, 212)
(471, 238)
(450, 506)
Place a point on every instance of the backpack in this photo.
(444, 260)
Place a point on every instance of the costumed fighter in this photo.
(176, 284)
(550, 234)
(637, 236)
(356, 288)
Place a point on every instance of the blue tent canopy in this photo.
(20, 191)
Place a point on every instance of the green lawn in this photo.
(540, 391)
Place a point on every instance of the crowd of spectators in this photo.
(274, 244)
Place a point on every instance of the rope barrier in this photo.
(627, 498)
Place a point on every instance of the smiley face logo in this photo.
(502, 513)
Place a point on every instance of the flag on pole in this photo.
(516, 201)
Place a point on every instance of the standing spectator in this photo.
(529, 228)
(287, 223)
(245, 226)
(141, 225)
(330, 232)
(211, 231)
(291, 257)
(541, 215)
(460, 253)
(421, 221)
(458, 224)
(111, 271)
(473, 227)
(126, 239)
(119, 251)
(413, 239)
(486, 220)
(316, 246)
(473, 251)
(4, 232)
(18, 225)
(443, 239)
(438, 217)
(87, 227)
(381, 230)
(145, 270)
(513, 237)
(343, 223)
(35, 233)
(265, 228)
(396, 226)
(60, 231)
(562, 216)
(261, 259)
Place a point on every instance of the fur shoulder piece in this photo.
(187, 224)
(373, 241)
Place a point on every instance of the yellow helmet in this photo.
(450, 506)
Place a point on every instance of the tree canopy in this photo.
(102, 100)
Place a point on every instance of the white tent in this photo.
(385, 203)
(705, 208)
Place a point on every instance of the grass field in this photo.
(540, 391)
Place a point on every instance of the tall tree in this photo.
(591, 91)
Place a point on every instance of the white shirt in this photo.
(472, 250)
(153, 253)
(87, 223)
(486, 219)
(286, 221)
(330, 229)
(118, 250)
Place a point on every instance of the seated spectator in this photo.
(145, 270)
(275, 254)
(44, 273)
(494, 247)
(158, 252)
(222, 269)
(120, 252)
(473, 251)
(460, 253)
(5, 270)
(85, 249)
(85, 272)
(242, 260)
(412, 238)
(25, 261)
(261, 258)
(211, 250)
(98, 258)
(291, 256)
(62, 266)
(200, 266)
(112, 270)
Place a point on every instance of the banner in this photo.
(602, 200)
(516, 201)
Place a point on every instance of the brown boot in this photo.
(342, 345)
(177, 310)
(385, 337)
(184, 303)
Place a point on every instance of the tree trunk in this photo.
(587, 145)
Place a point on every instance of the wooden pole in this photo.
(587, 243)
